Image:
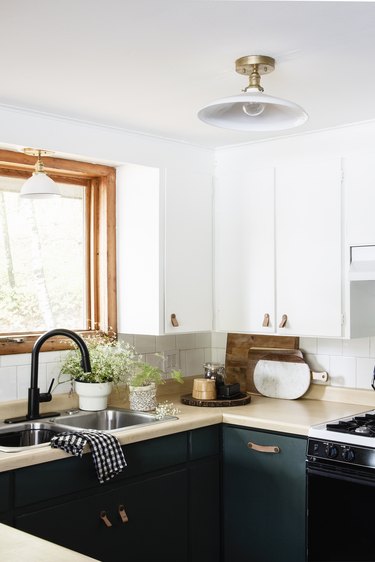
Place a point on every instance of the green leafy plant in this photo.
(144, 374)
(111, 361)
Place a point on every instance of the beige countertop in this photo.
(287, 416)
(17, 546)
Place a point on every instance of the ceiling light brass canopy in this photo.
(253, 110)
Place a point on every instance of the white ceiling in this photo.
(150, 65)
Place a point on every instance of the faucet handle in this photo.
(47, 396)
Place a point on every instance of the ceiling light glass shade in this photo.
(39, 186)
(253, 111)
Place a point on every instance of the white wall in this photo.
(349, 363)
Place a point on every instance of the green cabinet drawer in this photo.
(74, 474)
(156, 529)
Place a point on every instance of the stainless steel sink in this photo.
(108, 420)
(26, 435)
(30, 434)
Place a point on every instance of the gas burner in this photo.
(354, 430)
(363, 429)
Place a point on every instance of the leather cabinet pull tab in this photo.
(266, 321)
(122, 513)
(104, 518)
(264, 448)
(174, 321)
(284, 320)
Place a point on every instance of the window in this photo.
(57, 257)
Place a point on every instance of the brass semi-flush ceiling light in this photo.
(39, 186)
(253, 110)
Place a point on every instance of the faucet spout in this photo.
(34, 395)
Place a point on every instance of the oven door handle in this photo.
(351, 475)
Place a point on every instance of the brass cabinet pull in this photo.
(104, 518)
(122, 513)
(266, 320)
(264, 448)
(174, 321)
(283, 321)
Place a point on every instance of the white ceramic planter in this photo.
(93, 396)
(142, 398)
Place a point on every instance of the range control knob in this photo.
(331, 451)
(348, 455)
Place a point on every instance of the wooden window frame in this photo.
(100, 227)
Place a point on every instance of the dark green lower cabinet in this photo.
(204, 499)
(157, 526)
(170, 493)
(263, 496)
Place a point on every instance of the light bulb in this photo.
(253, 109)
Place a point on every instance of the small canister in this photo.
(204, 389)
(216, 372)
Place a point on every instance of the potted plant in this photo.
(111, 363)
(143, 382)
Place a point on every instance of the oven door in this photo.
(340, 513)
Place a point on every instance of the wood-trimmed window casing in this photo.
(100, 224)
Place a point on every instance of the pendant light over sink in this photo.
(39, 186)
(253, 110)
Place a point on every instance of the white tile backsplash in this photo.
(349, 363)
(365, 367)
(8, 383)
(329, 346)
(343, 371)
(358, 347)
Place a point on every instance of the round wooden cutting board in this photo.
(282, 376)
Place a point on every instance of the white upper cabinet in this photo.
(359, 178)
(278, 249)
(244, 274)
(308, 248)
(188, 251)
(359, 250)
(164, 248)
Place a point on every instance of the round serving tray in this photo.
(243, 399)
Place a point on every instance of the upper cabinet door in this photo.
(308, 248)
(244, 273)
(188, 251)
(359, 178)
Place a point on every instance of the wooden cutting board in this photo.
(282, 376)
(240, 361)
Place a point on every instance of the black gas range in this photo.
(341, 490)
(350, 441)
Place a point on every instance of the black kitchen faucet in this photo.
(34, 396)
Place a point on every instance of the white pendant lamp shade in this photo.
(39, 186)
(253, 110)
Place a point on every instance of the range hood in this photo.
(362, 263)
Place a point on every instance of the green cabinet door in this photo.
(263, 496)
(157, 526)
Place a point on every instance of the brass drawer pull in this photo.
(104, 518)
(122, 513)
(264, 448)
(266, 321)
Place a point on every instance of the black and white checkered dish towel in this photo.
(105, 448)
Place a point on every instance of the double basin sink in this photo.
(30, 434)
